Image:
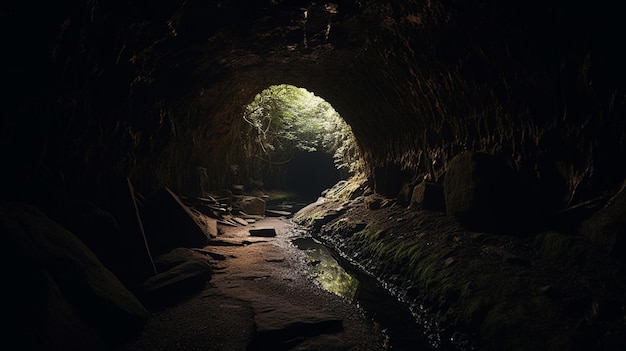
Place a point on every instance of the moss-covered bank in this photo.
(478, 290)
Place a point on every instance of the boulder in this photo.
(607, 227)
(428, 196)
(479, 190)
(252, 205)
(170, 224)
(183, 272)
(59, 296)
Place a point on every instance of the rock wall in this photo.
(102, 91)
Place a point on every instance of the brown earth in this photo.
(260, 297)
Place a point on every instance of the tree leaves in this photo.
(284, 119)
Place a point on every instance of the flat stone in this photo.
(264, 232)
(278, 321)
(277, 213)
(240, 221)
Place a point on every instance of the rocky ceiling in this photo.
(97, 90)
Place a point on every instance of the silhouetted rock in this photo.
(478, 189)
(428, 196)
(607, 227)
(170, 224)
(125, 250)
(183, 272)
(59, 296)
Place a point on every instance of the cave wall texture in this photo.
(99, 90)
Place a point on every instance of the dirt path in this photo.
(259, 298)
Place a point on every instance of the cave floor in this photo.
(260, 297)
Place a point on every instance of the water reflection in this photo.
(395, 319)
(326, 270)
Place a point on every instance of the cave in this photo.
(486, 131)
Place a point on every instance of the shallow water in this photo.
(380, 307)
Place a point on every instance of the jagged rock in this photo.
(478, 190)
(428, 196)
(607, 227)
(170, 224)
(60, 297)
(184, 271)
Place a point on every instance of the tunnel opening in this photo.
(294, 141)
(311, 172)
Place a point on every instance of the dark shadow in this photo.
(309, 173)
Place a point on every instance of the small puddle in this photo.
(395, 319)
(326, 270)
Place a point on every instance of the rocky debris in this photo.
(242, 211)
(59, 296)
(263, 232)
(170, 224)
(183, 272)
(478, 190)
(428, 196)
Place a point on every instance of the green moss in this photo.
(345, 191)
(566, 250)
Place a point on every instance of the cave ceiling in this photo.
(155, 91)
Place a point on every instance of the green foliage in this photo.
(283, 120)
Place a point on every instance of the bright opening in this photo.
(296, 141)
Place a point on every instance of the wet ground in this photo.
(263, 296)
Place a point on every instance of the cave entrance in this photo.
(295, 141)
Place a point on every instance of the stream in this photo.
(395, 319)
